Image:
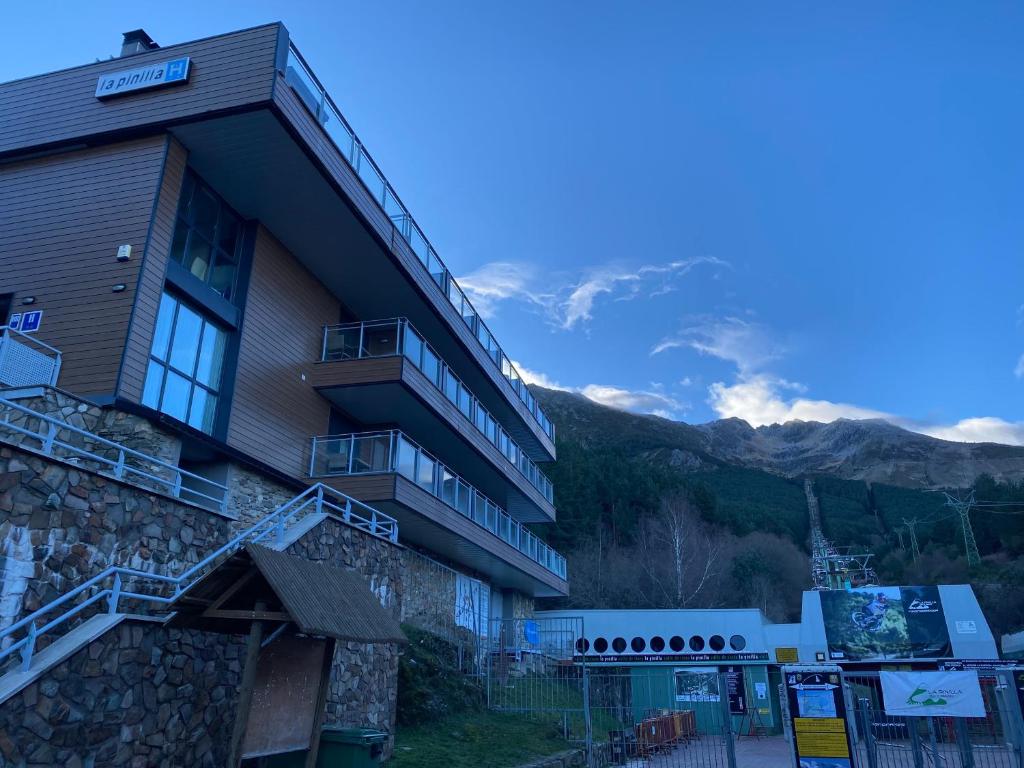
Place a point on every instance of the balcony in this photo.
(315, 98)
(25, 361)
(411, 475)
(397, 339)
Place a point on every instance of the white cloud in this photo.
(1018, 371)
(762, 399)
(632, 400)
(570, 302)
(747, 344)
(635, 401)
(981, 429)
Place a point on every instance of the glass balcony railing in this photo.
(386, 338)
(302, 80)
(371, 453)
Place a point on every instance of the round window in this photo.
(582, 645)
(638, 644)
(697, 643)
(676, 643)
(600, 645)
(618, 645)
(657, 644)
(737, 642)
(717, 643)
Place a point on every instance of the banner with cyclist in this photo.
(872, 623)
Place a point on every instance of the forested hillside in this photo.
(651, 515)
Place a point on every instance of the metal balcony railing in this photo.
(397, 336)
(302, 80)
(391, 451)
(25, 361)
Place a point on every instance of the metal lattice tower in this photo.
(963, 509)
(915, 549)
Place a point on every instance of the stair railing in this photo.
(124, 583)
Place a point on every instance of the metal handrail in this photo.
(377, 524)
(501, 524)
(120, 467)
(8, 334)
(391, 204)
(403, 326)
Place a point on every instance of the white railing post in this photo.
(312, 459)
(319, 499)
(119, 467)
(115, 594)
(347, 514)
(176, 490)
(351, 451)
(55, 371)
(373, 522)
(359, 352)
(51, 435)
(323, 349)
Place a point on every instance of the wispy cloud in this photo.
(569, 302)
(1018, 371)
(650, 401)
(748, 345)
(981, 429)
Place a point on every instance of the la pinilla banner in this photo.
(924, 694)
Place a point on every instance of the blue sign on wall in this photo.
(153, 76)
(531, 632)
(26, 322)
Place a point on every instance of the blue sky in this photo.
(765, 210)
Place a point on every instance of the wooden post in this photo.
(252, 655)
(321, 705)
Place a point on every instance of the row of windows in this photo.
(657, 644)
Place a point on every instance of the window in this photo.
(657, 644)
(582, 645)
(638, 644)
(207, 236)
(6, 299)
(717, 643)
(600, 645)
(185, 365)
(737, 642)
(619, 644)
(697, 643)
(676, 643)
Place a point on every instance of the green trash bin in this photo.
(351, 748)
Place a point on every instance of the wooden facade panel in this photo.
(82, 316)
(228, 72)
(151, 277)
(303, 122)
(275, 410)
(345, 373)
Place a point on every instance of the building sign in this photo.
(927, 694)
(736, 690)
(815, 701)
(873, 623)
(786, 656)
(671, 658)
(172, 72)
(26, 322)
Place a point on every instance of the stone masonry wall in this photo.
(429, 599)
(140, 696)
(60, 525)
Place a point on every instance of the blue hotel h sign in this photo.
(171, 72)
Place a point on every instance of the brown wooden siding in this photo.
(61, 222)
(228, 72)
(275, 410)
(151, 277)
(343, 373)
(303, 122)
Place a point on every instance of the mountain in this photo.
(873, 450)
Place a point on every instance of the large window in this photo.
(207, 236)
(185, 365)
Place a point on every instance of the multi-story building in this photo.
(195, 237)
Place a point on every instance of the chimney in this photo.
(137, 41)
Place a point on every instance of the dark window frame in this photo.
(184, 221)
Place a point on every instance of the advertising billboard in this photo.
(871, 623)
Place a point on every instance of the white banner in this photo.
(925, 694)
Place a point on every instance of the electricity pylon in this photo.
(963, 508)
(915, 549)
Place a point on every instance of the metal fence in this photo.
(885, 741)
(26, 361)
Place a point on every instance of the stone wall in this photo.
(429, 599)
(252, 496)
(523, 605)
(60, 525)
(140, 696)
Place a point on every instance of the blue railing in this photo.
(397, 336)
(26, 361)
(116, 583)
(369, 453)
(301, 78)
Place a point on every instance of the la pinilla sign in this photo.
(174, 72)
(932, 694)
